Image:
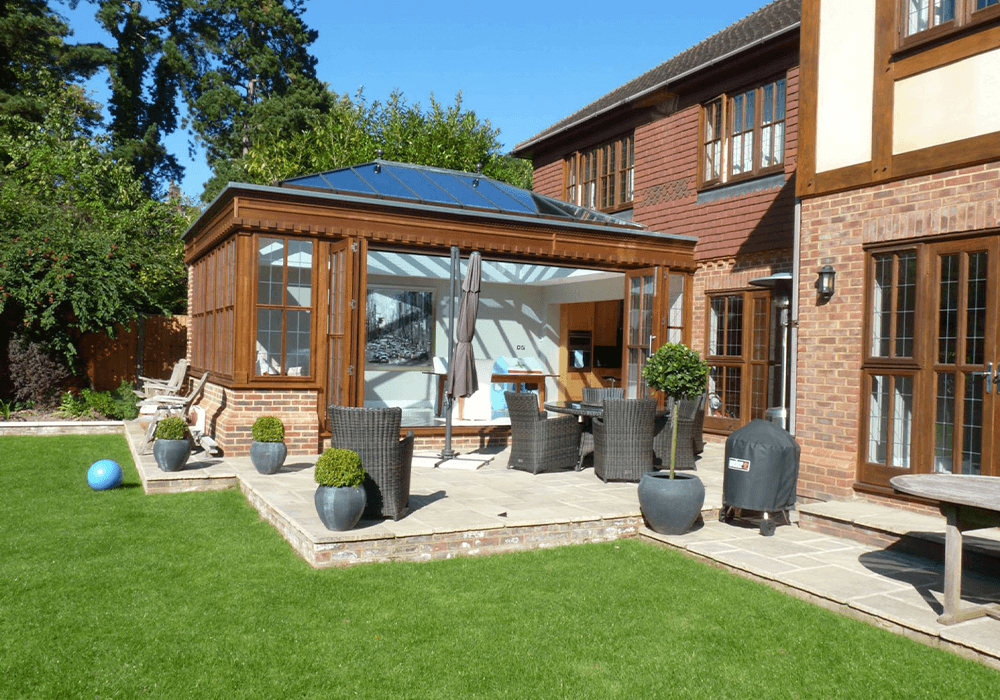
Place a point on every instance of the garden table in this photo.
(587, 411)
(968, 503)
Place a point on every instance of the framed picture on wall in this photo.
(399, 327)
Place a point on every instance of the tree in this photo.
(355, 131)
(84, 248)
(33, 48)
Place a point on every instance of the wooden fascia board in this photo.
(537, 242)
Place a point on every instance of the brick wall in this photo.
(834, 229)
(230, 414)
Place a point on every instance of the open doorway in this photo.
(526, 313)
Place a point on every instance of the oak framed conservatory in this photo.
(278, 279)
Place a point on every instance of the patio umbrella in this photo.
(462, 379)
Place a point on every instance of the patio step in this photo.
(906, 531)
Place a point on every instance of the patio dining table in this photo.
(968, 502)
(586, 411)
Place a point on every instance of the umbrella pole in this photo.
(448, 453)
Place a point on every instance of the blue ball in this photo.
(104, 474)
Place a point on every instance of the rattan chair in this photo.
(623, 439)
(594, 396)
(691, 418)
(374, 434)
(540, 443)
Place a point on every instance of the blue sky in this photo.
(522, 65)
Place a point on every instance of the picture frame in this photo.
(399, 327)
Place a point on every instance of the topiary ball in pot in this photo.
(173, 446)
(340, 497)
(268, 450)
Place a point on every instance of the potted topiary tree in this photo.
(173, 445)
(671, 503)
(268, 450)
(340, 496)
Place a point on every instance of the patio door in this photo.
(930, 380)
(343, 370)
(642, 316)
(964, 360)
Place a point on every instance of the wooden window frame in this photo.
(213, 312)
(283, 376)
(720, 111)
(966, 17)
(602, 177)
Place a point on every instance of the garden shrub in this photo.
(339, 467)
(172, 428)
(38, 377)
(117, 405)
(268, 429)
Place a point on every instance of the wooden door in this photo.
(963, 361)
(342, 339)
(642, 316)
(929, 392)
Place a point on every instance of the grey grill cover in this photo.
(762, 466)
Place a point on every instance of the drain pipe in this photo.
(792, 349)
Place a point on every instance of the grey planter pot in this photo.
(340, 508)
(671, 506)
(267, 457)
(171, 455)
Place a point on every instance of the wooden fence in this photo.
(149, 347)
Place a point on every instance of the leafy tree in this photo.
(355, 131)
(83, 248)
(143, 76)
(32, 48)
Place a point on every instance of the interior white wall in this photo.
(845, 83)
(518, 319)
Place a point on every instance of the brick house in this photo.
(899, 181)
(705, 145)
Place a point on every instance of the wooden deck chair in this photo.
(169, 387)
(166, 405)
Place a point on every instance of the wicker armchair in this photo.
(691, 418)
(537, 442)
(594, 395)
(623, 439)
(374, 434)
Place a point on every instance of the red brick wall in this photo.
(230, 413)
(834, 229)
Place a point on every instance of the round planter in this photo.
(267, 457)
(340, 508)
(171, 455)
(671, 506)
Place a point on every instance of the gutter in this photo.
(631, 98)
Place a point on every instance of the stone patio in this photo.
(462, 511)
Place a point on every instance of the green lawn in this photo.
(118, 594)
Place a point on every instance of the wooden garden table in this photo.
(967, 503)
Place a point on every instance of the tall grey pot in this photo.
(171, 455)
(671, 506)
(340, 507)
(267, 457)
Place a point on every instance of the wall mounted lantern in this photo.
(825, 283)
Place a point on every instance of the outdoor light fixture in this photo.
(824, 284)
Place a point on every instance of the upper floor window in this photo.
(602, 177)
(743, 134)
(925, 19)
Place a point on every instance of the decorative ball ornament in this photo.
(104, 474)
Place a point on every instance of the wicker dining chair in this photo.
(623, 439)
(690, 443)
(594, 396)
(540, 443)
(374, 434)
